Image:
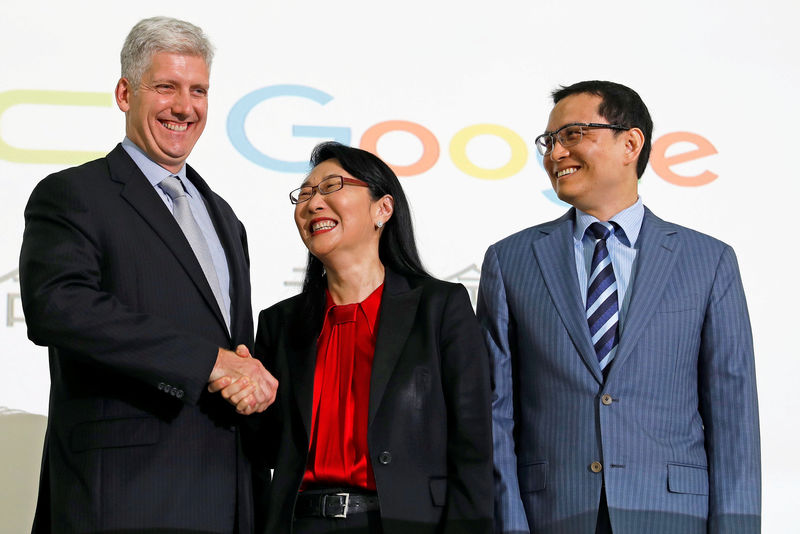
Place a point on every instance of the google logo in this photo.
(661, 163)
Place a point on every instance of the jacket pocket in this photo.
(532, 477)
(127, 432)
(438, 487)
(679, 304)
(690, 479)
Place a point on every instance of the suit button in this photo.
(385, 458)
(179, 394)
(161, 386)
(596, 467)
(606, 399)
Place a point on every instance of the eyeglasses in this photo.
(569, 135)
(329, 185)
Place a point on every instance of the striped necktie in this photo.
(602, 306)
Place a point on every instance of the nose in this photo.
(558, 152)
(182, 104)
(316, 202)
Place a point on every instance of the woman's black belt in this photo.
(335, 505)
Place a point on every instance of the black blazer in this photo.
(111, 286)
(429, 430)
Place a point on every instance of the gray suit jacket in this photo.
(673, 429)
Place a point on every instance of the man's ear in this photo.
(634, 141)
(122, 94)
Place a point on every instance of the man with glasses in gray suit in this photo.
(625, 391)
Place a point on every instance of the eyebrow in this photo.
(175, 81)
(305, 182)
(563, 126)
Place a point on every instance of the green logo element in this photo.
(13, 98)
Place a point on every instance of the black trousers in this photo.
(603, 521)
(363, 523)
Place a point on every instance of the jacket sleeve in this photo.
(729, 406)
(467, 389)
(493, 315)
(268, 424)
(66, 307)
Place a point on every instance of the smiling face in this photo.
(342, 224)
(166, 114)
(598, 175)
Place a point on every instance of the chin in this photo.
(564, 196)
(318, 253)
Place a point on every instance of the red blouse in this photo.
(338, 454)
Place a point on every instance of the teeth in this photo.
(322, 225)
(564, 172)
(175, 127)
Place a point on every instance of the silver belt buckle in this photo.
(346, 496)
(346, 504)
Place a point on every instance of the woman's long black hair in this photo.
(397, 249)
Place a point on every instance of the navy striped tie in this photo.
(602, 306)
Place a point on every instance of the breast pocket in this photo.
(678, 303)
(532, 477)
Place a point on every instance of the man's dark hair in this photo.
(621, 105)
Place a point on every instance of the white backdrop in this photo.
(469, 80)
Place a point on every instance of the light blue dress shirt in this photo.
(154, 174)
(621, 247)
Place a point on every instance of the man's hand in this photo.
(242, 381)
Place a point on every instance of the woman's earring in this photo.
(379, 224)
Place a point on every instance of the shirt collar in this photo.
(370, 306)
(151, 170)
(629, 221)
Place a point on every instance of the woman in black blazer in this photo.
(406, 444)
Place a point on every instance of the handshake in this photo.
(242, 381)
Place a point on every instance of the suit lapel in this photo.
(556, 257)
(302, 368)
(397, 314)
(660, 243)
(228, 232)
(138, 192)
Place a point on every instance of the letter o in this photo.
(458, 151)
(430, 146)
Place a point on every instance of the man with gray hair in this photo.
(135, 276)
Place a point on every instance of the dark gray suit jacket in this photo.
(111, 286)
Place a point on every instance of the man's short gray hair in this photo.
(161, 34)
